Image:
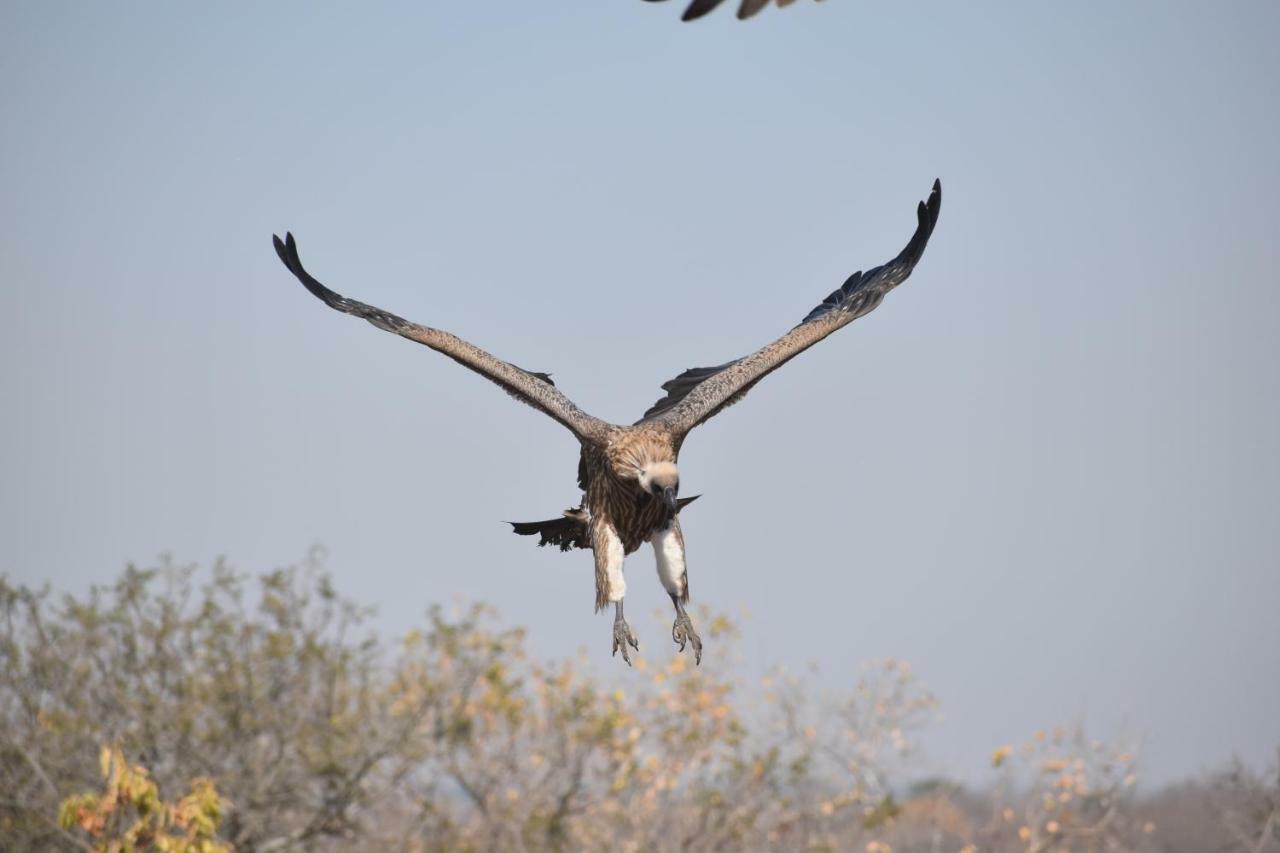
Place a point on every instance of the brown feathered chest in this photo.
(610, 492)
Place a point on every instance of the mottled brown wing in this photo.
(747, 8)
(536, 389)
(699, 393)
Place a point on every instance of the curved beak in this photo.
(669, 498)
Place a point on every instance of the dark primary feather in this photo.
(863, 291)
(859, 294)
(287, 249)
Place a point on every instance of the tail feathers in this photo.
(569, 531)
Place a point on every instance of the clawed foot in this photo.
(622, 637)
(682, 632)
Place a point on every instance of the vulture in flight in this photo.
(628, 476)
(747, 8)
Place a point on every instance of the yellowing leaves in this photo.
(1076, 788)
(130, 815)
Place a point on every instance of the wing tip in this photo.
(934, 202)
(927, 217)
(287, 249)
(282, 248)
(698, 8)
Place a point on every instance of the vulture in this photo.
(628, 476)
(747, 8)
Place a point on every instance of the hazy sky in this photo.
(1045, 471)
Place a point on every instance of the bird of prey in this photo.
(747, 8)
(628, 476)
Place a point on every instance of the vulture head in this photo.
(662, 481)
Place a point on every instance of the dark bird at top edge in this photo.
(746, 8)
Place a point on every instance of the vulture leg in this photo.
(611, 585)
(622, 636)
(668, 547)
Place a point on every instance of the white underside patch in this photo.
(613, 565)
(670, 553)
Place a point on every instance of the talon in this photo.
(622, 637)
(683, 634)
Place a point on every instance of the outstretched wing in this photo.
(701, 392)
(536, 389)
(747, 8)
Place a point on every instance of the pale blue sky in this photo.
(1045, 470)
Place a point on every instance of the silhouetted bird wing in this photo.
(747, 8)
(536, 389)
(701, 392)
